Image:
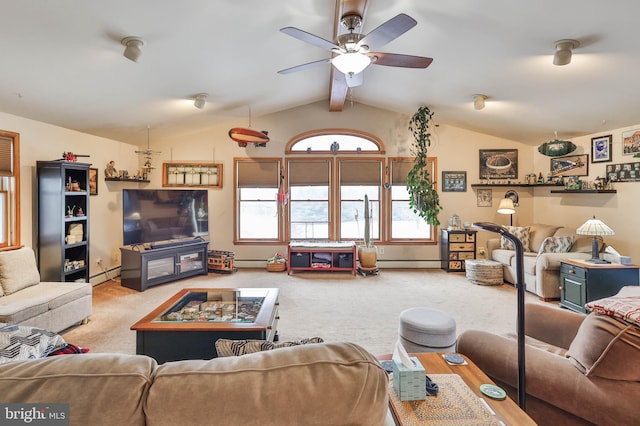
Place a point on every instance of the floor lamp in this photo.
(508, 205)
(492, 227)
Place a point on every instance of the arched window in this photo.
(335, 141)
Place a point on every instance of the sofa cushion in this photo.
(538, 232)
(38, 299)
(520, 232)
(228, 347)
(503, 256)
(556, 245)
(326, 383)
(99, 388)
(583, 243)
(606, 347)
(18, 270)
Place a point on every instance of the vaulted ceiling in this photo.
(62, 63)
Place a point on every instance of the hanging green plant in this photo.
(424, 199)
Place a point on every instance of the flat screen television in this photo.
(152, 215)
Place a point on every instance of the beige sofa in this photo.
(318, 384)
(24, 300)
(579, 369)
(541, 271)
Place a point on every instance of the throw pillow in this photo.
(556, 245)
(521, 232)
(19, 343)
(604, 346)
(228, 347)
(18, 270)
(625, 305)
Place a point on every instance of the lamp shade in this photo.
(594, 227)
(351, 63)
(506, 206)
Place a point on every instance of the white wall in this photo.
(456, 149)
(41, 141)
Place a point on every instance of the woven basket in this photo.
(276, 267)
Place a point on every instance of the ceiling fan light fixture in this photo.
(478, 101)
(133, 48)
(351, 63)
(564, 51)
(200, 100)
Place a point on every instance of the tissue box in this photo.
(409, 383)
(615, 258)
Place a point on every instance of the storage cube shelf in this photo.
(456, 247)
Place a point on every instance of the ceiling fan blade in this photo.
(398, 60)
(388, 31)
(304, 66)
(309, 38)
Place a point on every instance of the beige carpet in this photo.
(334, 306)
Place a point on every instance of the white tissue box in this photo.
(616, 258)
(409, 383)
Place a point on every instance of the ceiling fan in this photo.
(354, 51)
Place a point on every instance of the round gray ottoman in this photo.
(427, 330)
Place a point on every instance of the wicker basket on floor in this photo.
(276, 266)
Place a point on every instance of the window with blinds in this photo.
(405, 224)
(9, 189)
(257, 208)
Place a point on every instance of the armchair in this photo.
(579, 369)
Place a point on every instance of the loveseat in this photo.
(317, 384)
(580, 369)
(545, 247)
(24, 300)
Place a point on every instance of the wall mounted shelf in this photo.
(585, 191)
(519, 185)
(126, 180)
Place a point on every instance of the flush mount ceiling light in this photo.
(564, 50)
(478, 101)
(200, 100)
(133, 48)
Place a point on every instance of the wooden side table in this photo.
(505, 411)
(581, 281)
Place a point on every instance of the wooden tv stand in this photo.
(145, 267)
(329, 256)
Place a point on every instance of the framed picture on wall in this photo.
(498, 163)
(601, 149)
(484, 197)
(93, 181)
(631, 142)
(571, 165)
(454, 181)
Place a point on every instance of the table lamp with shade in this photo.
(594, 227)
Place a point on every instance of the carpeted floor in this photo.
(334, 306)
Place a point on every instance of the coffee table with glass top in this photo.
(188, 324)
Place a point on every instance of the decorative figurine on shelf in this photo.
(68, 185)
(79, 212)
(110, 171)
(70, 211)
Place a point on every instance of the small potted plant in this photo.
(367, 253)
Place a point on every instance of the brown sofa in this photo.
(541, 270)
(580, 369)
(318, 384)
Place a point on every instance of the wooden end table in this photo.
(506, 410)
